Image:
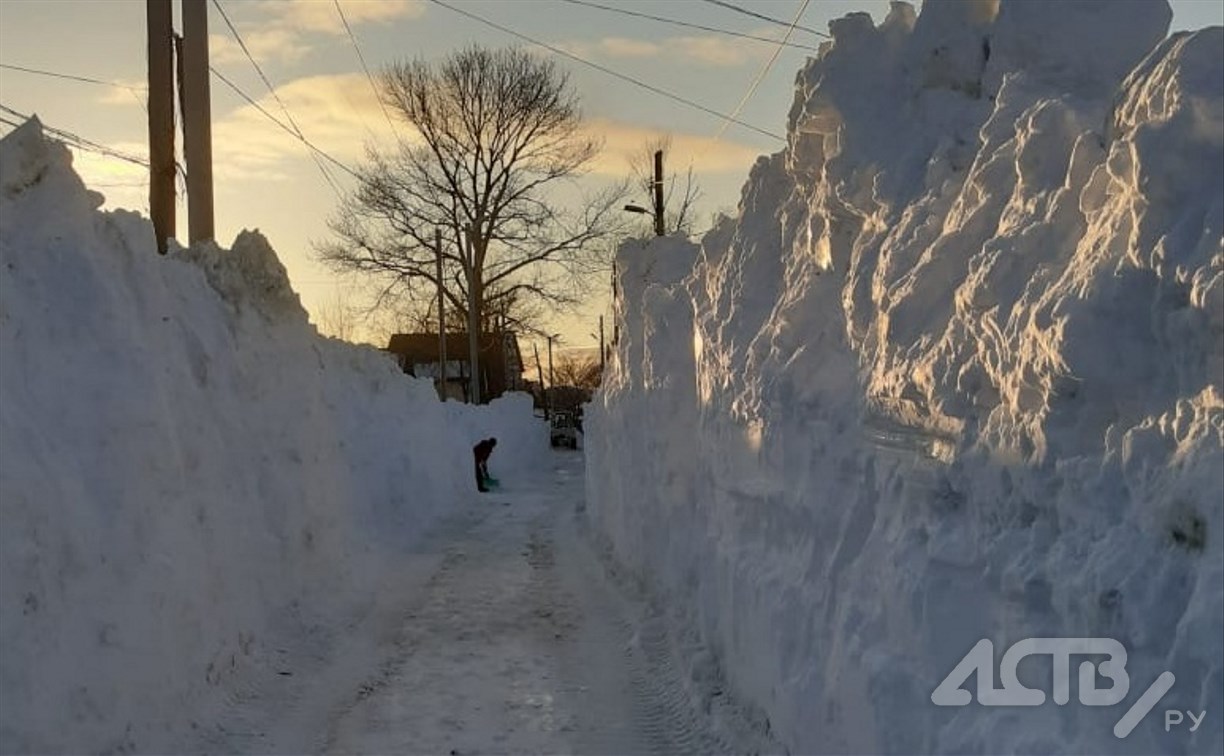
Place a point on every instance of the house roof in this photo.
(423, 347)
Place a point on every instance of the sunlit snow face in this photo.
(705, 381)
(754, 434)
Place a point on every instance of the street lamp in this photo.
(657, 187)
(658, 218)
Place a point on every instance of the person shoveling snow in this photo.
(481, 452)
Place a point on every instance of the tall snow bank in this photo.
(184, 465)
(954, 373)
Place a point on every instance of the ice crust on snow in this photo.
(187, 469)
(955, 372)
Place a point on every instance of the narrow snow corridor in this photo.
(504, 634)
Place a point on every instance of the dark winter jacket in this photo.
(483, 449)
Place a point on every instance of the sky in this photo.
(266, 179)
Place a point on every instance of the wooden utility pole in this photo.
(540, 372)
(197, 122)
(551, 383)
(160, 20)
(658, 193)
(441, 318)
(473, 318)
(550, 365)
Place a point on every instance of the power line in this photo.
(296, 135)
(75, 140)
(134, 91)
(676, 22)
(763, 17)
(609, 71)
(71, 77)
(289, 116)
(764, 70)
(364, 67)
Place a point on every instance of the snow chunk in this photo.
(27, 159)
(1086, 46)
(250, 275)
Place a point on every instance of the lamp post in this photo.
(643, 211)
(658, 192)
(656, 189)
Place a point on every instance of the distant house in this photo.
(501, 363)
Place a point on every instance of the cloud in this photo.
(283, 29)
(718, 51)
(706, 50)
(130, 93)
(284, 45)
(623, 142)
(320, 15)
(339, 114)
(621, 47)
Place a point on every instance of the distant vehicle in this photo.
(564, 430)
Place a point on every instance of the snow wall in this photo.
(953, 373)
(187, 466)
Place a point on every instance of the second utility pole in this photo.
(197, 122)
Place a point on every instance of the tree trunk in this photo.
(475, 302)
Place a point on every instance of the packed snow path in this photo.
(505, 635)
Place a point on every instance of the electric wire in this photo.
(763, 17)
(288, 116)
(72, 139)
(70, 77)
(134, 91)
(263, 111)
(606, 70)
(364, 67)
(687, 24)
(763, 72)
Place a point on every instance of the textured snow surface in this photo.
(955, 372)
(187, 470)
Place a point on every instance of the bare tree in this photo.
(337, 317)
(680, 193)
(499, 141)
(582, 372)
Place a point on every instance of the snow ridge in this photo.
(187, 469)
(955, 372)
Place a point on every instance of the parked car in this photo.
(564, 430)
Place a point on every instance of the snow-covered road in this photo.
(503, 634)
